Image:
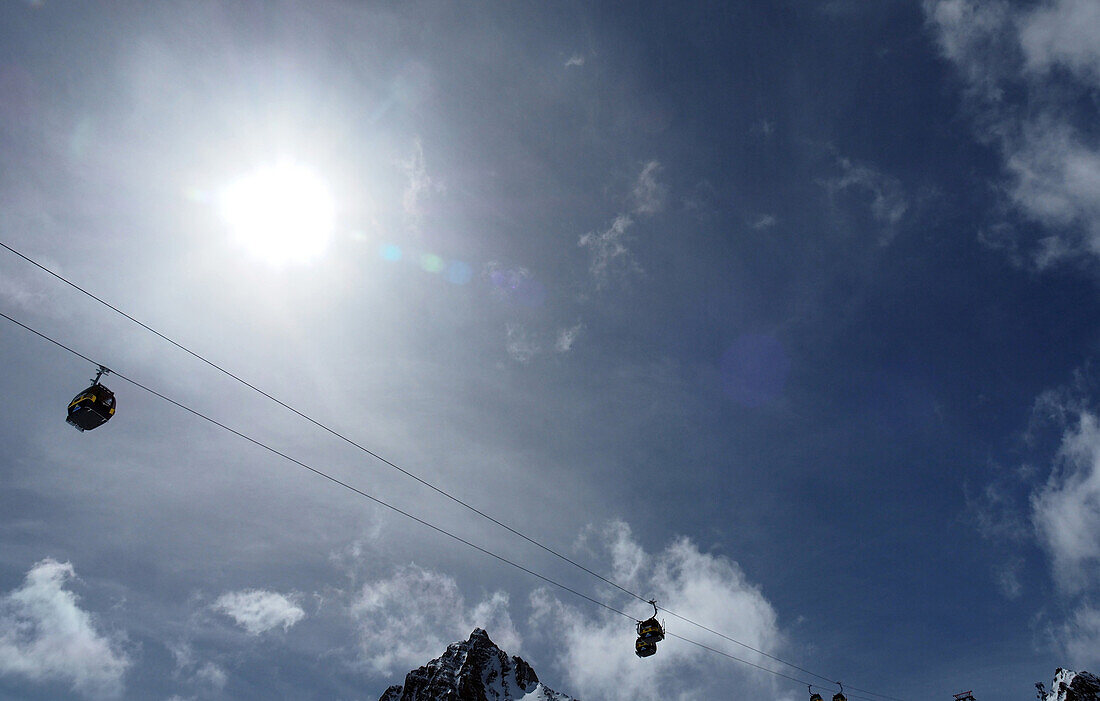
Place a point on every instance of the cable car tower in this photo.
(965, 696)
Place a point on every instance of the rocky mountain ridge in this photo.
(1072, 686)
(477, 670)
(473, 670)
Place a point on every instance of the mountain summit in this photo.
(474, 670)
(1074, 686)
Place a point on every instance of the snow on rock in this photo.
(1073, 686)
(474, 670)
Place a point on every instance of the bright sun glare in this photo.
(282, 213)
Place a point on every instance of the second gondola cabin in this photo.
(644, 648)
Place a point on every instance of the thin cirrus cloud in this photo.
(567, 337)
(419, 184)
(1048, 55)
(206, 675)
(597, 654)
(888, 200)
(608, 251)
(46, 636)
(409, 618)
(259, 611)
(519, 344)
(649, 194)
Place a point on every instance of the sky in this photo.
(783, 313)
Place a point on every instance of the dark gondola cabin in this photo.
(816, 697)
(840, 697)
(651, 631)
(644, 648)
(91, 408)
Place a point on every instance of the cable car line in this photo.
(400, 469)
(320, 425)
(391, 507)
(318, 472)
(752, 664)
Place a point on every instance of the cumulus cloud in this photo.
(46, 636)
(1080, 637)
(597, 650)
(1048, 55)
(1066, 510)
(411, 617)
(576, 60)
(259, 611)
(1063, 33)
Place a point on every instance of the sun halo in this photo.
(282, 213)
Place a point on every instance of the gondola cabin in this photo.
(91, 408)
(651, 631)
(839, 696)
(816, 697)
(645, 648)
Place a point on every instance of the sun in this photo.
(282, 214)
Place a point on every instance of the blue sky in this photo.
(781, 312)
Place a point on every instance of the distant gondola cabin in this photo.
(645, 648)
(91, 408)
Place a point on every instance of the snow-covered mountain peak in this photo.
(1073, 686)
(473, 670)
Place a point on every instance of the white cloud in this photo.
(519, 344)
(575, 60)
(1066, 511)
(607, 251)
(975, 37)
(1063, 33)
(888, 201)
(211, 675)
(259, 611)
(649, 194)
(1056, 180)
(1008, 579)
(1052, 166)
(1080, 637)
(419, 185)
(45, 635)
(19, 294)
(598, 649)
(207, 674)
(410, 618)
(567, 337)
(764, 221)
